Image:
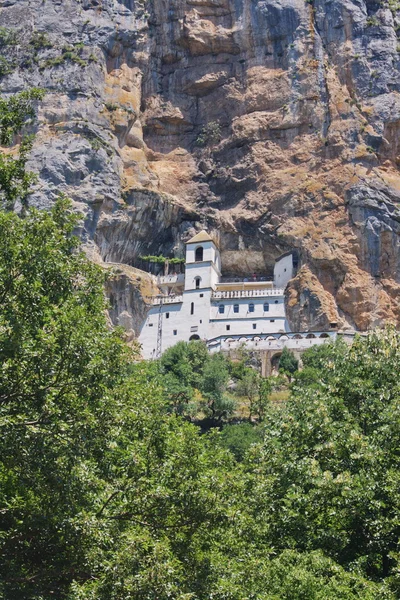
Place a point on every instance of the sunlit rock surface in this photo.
(272, 123)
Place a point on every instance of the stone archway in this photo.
(275, 359)
(194, 337)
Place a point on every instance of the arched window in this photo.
(221, 309)
(251, 307)
(266, 307)
(236, 308)
(199, 254)
(197, 282)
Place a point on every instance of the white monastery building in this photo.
(202, 305)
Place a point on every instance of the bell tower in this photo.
(203, 263)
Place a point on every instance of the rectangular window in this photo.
(192, 308)
(167, 315)
(251, 307)
(236, 308)
(175, 332)
(272, 320)
(228, 327)
(254, 326)
(201, 295)
(221, 309)
(150, 324)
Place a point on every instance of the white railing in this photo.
(249, 279)
(247, 293)
(163, 279)
(167, 300)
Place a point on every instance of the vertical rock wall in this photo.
(274, 123)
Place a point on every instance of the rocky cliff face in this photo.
(274, 123)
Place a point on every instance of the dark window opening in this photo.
(228, 327)
(266, 307)
(276, 301)
(199, 254)
(236, 308)
(150, 324)
(201, 295)
(167, 315)
(197, 280)
(192, 308)
(272, 320)
(175, 331)
(221, 309)
(254, 325)
(251, 307)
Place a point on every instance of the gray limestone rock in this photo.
(274, 123)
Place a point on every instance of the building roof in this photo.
(202, 236)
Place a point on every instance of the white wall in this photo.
(207, 322)
(283, 271)
(244, 321)
(180, 320)
(204, 270)
(209, 252)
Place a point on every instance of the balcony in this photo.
(260, 293)
(171, 279)
(167, 300)
(249, 278)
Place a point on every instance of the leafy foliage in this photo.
(209, 135)
(8, 37)
(288, 363)
(58, 365)
(239, 437)
(161, 260)
(16, 113)
(330, 461)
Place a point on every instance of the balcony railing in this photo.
(170, 279)
(247, 293)
(242, 279)
(167, 300)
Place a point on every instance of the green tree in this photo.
(16, 113)
(330, 460)
(288, 364)
(181, 369)
(217, 404)
(249, 387)
(58, 366)
(266, 385)
(239, 437)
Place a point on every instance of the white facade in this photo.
(283, 270)
(208, 308)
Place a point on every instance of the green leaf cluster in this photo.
(16, 113)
